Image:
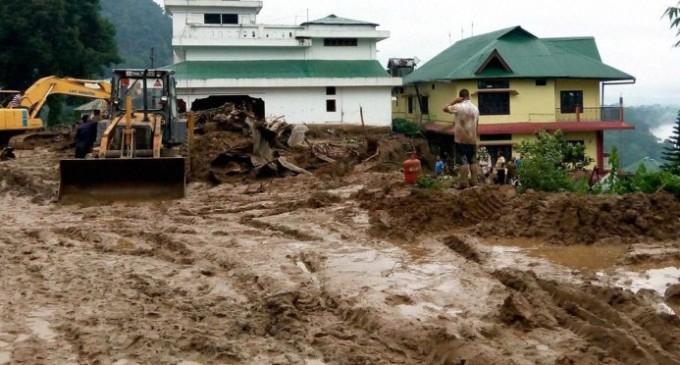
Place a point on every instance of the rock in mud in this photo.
(672, 294)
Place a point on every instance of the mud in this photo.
(321, 269)
(498, 211)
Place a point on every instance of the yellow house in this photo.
(522, 84)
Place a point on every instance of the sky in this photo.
(632, 36)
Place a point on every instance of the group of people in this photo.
(503, 171)
(466, 131)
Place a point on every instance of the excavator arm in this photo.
(36, 95)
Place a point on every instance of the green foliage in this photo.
(673, 14)
(401, 125)
(140, 26)
(53, 37)
(640, 182)
(548, 162)
(612, 181)
(433, 183)
(671, 153)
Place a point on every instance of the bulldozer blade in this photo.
(122, 179)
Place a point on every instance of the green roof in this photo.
(336, 20)
(515, 53)
(278, 69)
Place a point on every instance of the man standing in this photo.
(86, 134)
(466, 119)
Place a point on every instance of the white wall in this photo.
(243, 54)
(365, 50)
(308, 105)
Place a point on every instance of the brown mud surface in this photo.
(493, 211)
(325, 269)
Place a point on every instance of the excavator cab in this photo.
(138, 152)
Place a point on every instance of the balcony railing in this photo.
(598, 114)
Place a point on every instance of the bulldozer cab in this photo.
(138, 150)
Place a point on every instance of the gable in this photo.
(494, 65)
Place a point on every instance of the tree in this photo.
(673, 13)
(671, 154)
(548, 162)
(53, 37)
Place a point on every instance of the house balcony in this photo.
(590, 114)
(589, 119)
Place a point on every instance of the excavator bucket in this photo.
(132, 179)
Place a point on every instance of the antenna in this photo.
(472, 29)
(308, 14)
(461, 33)
(450, 40)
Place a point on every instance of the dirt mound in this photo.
(405, 217)
(18, 177)
(577, 218)
(500, 212)
(206, 148)
(619, 327)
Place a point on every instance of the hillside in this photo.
(140, 26)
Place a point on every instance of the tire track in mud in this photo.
(617, 325)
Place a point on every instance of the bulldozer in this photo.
(139, 152)
(19, 124)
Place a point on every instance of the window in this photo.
(410, 104)
(425, 105)
(493, 84)
(330, 105)
(541, 82)
(494, 103)
(330, 90)
(229, 18)
(569, 100)
(220, 18)
(340, 42)
(212, 19)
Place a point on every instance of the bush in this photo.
(640, 182)
(401, 125)
(548, 163)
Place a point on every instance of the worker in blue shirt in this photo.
(439, 167)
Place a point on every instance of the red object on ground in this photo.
(411, 169)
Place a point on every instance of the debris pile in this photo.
(232, 143)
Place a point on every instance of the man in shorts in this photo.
(466, 119)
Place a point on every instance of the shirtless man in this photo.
(466, 119)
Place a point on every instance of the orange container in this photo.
(411, 169)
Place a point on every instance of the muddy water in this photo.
(579, 257)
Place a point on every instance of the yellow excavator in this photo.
(16, 124)
(138, 152)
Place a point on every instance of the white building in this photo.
(321, 71)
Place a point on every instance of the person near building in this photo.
(500, 169)
(439, 167)
(466, 119)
